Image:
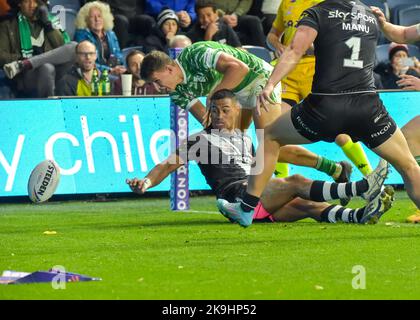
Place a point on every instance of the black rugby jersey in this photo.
(344, 47)
(223, 158)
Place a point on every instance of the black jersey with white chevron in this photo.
(344, 47)
(223, 157)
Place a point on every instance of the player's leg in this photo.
(354, 151)
(411, 132)
(298, 155)
(395, 150)
(245, 119)
(299, 209)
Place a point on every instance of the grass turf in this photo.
(142, 250)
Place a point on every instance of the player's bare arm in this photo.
(301, 42)
(156, 175)
(273, 40)
(198, 110)
(233, 70)
(395, 33)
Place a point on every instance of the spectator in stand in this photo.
(4, 9)
(95, 22)
(184, 10)
(166, 28)
(132, 25)
(77, 82)
(209, 27)
(397, 66)
(139, 87)
(248, 28)
(34, 49)
(180, 41)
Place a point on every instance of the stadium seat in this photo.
(68, 4)
(127, 50)
(70, 26)
(394, 5)
(382, 52)
(407, 15)
(260, 52)
(381, 4)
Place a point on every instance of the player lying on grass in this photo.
(206, 67)
(225, 157)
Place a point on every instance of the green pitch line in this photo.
(142, 250)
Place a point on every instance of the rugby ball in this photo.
(43, 181)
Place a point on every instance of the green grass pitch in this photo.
(142, 250)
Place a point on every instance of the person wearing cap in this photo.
(184, 10)
(397, 66)
(167, 26)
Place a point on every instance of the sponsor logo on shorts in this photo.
(382, 131)
(304, 126)
(378, 118)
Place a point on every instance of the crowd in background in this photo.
(40, 57)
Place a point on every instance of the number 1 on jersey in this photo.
(354, 62)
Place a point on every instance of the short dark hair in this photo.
(133, 53)
(154, 61)
(14, 4)
(223, 94)
(205, 4)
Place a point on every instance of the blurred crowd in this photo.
(67, 47)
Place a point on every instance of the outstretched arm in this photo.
(156, 175)
(302, 41)
(399, 34)
(233, 70)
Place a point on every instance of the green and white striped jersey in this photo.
(198, 64)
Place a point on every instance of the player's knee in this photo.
(296, 179)
(342, 139)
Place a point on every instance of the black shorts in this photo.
(362, 116)
(233, 191)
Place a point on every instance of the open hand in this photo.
(265, 99)
(138, 186)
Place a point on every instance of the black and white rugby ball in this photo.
(43, 181)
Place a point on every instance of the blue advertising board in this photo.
(99, 142)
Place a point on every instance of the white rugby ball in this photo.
(43, 181)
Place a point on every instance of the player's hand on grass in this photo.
(379, 15)
(408, 82)
(264, 99)
(139, 186)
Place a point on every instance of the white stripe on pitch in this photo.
(326, 190)
(197, 211)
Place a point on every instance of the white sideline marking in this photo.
(197, 211)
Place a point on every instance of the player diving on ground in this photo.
(225, 155)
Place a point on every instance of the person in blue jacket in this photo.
(94, 23)
(185, 10)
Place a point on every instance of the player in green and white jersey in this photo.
(206, 67)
